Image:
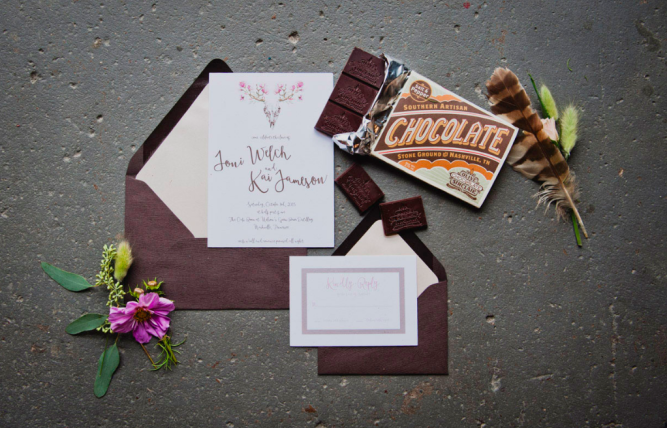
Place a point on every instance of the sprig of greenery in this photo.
(167, 358)
(106, 278)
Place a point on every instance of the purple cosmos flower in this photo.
(145, 318)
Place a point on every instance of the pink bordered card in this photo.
(353, 301)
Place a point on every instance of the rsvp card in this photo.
(270, 174)
(353, 301)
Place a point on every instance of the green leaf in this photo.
(69, 281)
(86, 323)
(105, 369)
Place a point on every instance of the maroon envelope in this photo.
(195, 276)
(429, 357)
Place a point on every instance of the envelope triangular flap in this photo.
(195, 276)
(177, 170)
(430, 356)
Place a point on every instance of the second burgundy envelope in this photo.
(429, 357)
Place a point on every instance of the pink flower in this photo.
(145, 318)
(292, 87)
(550, 128)
(242, 98)
(242, 84)
(300, 98)
(299, 85)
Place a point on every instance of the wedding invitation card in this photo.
(270, 174)
(353, 301)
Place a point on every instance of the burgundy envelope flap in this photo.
(430, 356)
(195, 276)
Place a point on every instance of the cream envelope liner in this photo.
(375, 243)
(176, 172)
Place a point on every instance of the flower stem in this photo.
(147, 354)
(576, 229)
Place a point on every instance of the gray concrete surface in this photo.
(542, 333)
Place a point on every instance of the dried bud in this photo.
(152, 284)
(138, 291)
(550, 128)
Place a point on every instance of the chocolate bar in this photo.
(425, 130)
(359, 187)
(403, 215)
(353, 94)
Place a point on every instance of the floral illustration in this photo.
(271, 99)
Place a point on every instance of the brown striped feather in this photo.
(533, 153)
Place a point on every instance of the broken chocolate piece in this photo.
(405, 214)
(365, 67)
(353, 94)
(336, 120)
(359, 187)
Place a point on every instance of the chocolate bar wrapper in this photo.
(429, 132)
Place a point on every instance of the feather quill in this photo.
(533, 153)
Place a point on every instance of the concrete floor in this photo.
(542, 333)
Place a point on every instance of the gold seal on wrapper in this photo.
(433, 134)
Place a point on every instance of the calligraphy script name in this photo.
(263, 177)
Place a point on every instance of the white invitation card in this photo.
(270, 174)
(353, 301)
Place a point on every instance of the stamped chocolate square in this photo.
(359, 187)
(336, 120)
(365, 67)
(405, 214)
(353, 94)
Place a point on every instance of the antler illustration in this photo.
(285, 94)
(259, 93)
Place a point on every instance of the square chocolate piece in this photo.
(336, 120)
(405, 214)
(365, 67)
(353, 95)
(359, 187)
